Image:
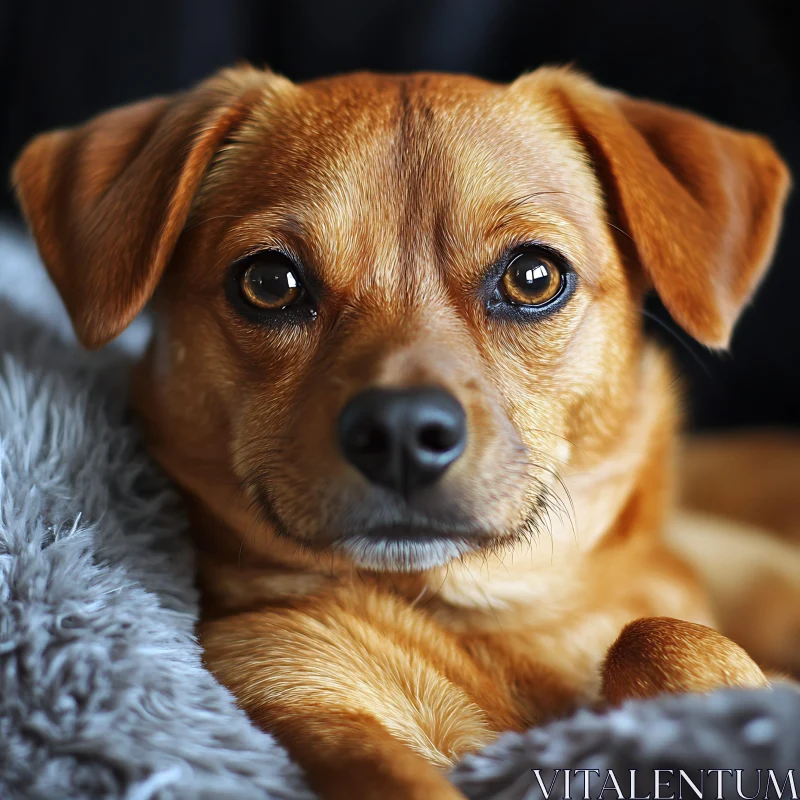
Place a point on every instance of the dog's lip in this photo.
(395, 531)
(411, 532)
(396, 549)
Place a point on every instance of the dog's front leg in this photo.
(660, 655)
(351, 756)
(357, 705)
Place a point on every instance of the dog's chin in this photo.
(404, 553)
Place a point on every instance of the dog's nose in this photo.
(403, 439)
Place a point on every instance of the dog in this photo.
(399, 373)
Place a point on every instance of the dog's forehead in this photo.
(376, 175)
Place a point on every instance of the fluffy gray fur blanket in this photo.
(102, 690)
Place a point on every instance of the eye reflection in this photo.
(269, 282)
(532, 279)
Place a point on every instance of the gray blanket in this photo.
(102, 689)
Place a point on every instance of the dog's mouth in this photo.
(407, 548)
(403, 545)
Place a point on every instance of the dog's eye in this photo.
(269, 282)
(532, 279)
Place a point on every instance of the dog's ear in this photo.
(107, 201)
(701, 203)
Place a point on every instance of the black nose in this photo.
(403, 439)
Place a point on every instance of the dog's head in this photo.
(391, 311)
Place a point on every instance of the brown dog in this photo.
(399, 371)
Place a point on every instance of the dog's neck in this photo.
(609, 503)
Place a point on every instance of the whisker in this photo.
(680, 339)
(212, 219)
(444, 580)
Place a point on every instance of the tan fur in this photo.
(398, 193)
(696, 658)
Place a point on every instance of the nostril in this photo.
(371, 440)
(437, 438)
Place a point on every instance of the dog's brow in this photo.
(530, 200)
(280, 222)
(525, 200)
(292, 225)
(513, 205)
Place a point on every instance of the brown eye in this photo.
(532, 279)
(269, 283)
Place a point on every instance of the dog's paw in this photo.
(660, 655)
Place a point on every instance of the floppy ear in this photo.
(702, 203)
(107, 201)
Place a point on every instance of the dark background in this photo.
(737, 61)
